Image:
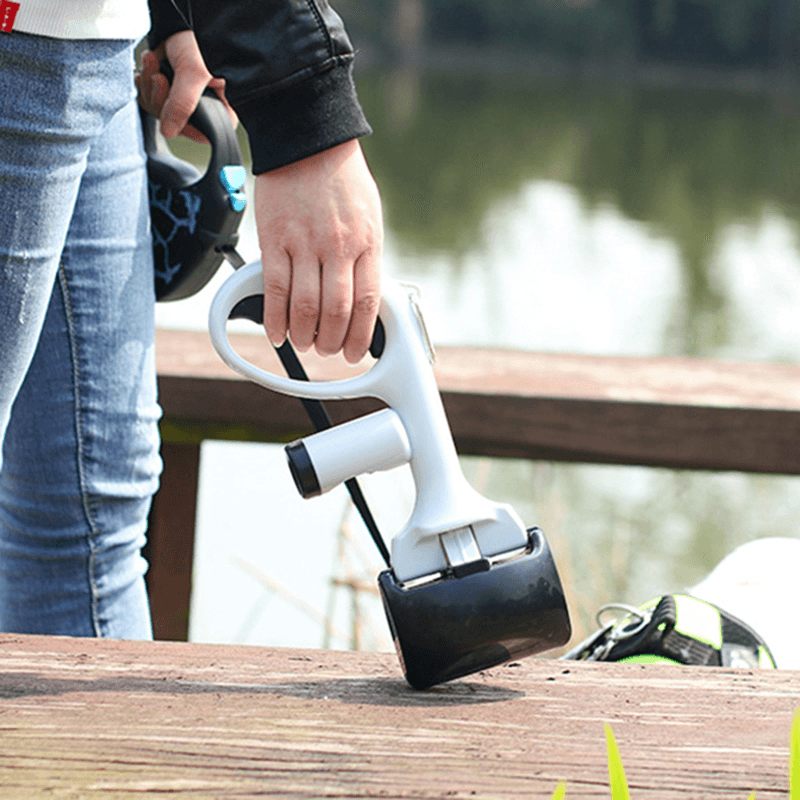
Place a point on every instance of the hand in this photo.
(174, 104)
(320, 230)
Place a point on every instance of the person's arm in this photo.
(286, 71)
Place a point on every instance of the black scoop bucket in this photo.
(454, 626)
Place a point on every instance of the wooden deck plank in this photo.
(670, 380)
(96, 719)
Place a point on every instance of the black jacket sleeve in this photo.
(287, 66)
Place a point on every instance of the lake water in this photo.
(543, 215)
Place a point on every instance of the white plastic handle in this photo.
(403, 378)
(247, 282)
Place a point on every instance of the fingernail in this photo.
(352, 358)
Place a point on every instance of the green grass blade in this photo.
(561, 791)
(752, 796)
(616, 773)
(794, 758)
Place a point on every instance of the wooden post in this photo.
(170, 546)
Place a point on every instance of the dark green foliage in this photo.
(730, 33)
(575, 28)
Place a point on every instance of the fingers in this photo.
(151, 85)
(305, 302)
(335, 307)
(311, 303)
(332, 307)
(321, 231)
(277, 270)
(292, 297)
(189, 83)
(174, 104)
(366, 303)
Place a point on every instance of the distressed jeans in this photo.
(78, 407)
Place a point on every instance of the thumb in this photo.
(191, 78)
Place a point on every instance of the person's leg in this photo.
(80, 456)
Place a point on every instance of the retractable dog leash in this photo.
(194, 216)
(467, 585)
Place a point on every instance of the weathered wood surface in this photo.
(667, 412)
(97, 719)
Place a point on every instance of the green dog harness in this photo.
(676, 629)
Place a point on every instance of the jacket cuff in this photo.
(297, 121)
(165, 19)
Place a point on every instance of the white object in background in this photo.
(759, 582)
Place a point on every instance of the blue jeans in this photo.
(78, 408)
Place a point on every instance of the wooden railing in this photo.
(660, 412)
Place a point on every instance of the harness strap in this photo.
(676, 628)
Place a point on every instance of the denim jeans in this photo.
(78, 408)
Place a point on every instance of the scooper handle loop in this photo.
(377, 382)
(402, 378)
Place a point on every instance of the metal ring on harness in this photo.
(630, 611)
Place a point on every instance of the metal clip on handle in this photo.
(452, 526)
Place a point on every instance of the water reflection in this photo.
(685, 161)
(457, 157)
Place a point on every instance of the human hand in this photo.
(320, 229)
(174, 104)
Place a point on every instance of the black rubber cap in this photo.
(303, 472)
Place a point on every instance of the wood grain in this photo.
(99, 719)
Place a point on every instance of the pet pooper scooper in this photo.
(468, 587)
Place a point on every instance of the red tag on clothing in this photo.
(8, 13)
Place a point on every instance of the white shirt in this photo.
(78, 19)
